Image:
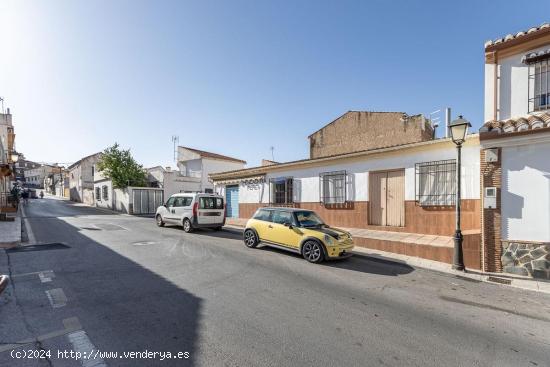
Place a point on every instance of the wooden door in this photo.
(377, 198)
(395, 198)
(387, 198)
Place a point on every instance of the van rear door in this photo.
(210, 210)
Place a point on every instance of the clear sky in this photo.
(235, 77)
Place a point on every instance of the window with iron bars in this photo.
(539, 91)
(332, 187)
(281, 190)
(436, 183)
(97, 193)
(105, 193)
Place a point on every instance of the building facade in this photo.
(7, 146)
(408, 188)
(81, 179)
(34, 177)
(515, 141)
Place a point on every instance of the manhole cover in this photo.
(41, 247)
(143, 243)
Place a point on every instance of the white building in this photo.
(516, 153)
(81, 179)
(34, 177)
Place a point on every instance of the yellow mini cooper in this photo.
(297, 230)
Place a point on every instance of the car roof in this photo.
(180, 194)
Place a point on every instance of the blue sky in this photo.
(235, 77)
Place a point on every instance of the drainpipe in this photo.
(495, 86)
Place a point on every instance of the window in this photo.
(209, 191)
(98, 193)
(263, 214)
(170, 202)
(281, 190)
(105, 192)
(308, 219)
(436, 183)
(539, 91)
(332, 187)
(282, 217)
(210, 203)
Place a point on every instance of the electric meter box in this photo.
(490, 198)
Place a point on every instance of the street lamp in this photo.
(459, 129)
(14, 156)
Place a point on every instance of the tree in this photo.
(119, 166)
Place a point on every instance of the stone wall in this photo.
(526, 259)
(360, 130)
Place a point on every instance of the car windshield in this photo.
(309, 219)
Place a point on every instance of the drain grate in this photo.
(41, 247)
(109, 227)
(499, 280)
(91, 228)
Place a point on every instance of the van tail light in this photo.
(195, 209)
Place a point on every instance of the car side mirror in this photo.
(288, 225)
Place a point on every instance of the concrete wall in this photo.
(357, 131)
(526, 192)
(512, 87)
(215, 166)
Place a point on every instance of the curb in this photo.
(4, 279)
(418, 262)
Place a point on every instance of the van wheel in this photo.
(160, 222)
(218, 228)
(250, 238)
(313, 252)
(187, 227)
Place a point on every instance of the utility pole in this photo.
(272, 155)
(175, 141)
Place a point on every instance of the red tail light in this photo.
(195, 209)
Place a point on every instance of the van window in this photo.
(210, 203)
(170, 201)
(282, 217)
(183, 201)
(263, 214)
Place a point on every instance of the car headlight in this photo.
(329, 240)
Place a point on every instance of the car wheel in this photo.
(187, 227)
(312, 251)
(160, 222)
(250, 238)
(218, 228)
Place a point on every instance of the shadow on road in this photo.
(121, 305)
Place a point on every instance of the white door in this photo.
(210, 210)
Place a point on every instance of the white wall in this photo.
(526, 192)
(214, 166)
(306, 181)
(512, 87)
(174, 183)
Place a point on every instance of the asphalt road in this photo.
(99, 281)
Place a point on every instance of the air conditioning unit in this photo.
(490, 198)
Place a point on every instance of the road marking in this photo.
(57, 297)
(46, 276)
(30, 233)
(83, 345)
(70, 325)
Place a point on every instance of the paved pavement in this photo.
(99, 281)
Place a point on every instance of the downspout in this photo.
(495, 86)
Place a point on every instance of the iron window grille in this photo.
(332, 187)
(436, 183)
(105, 193)
(97, 193)
(281, 191)
(538, 87)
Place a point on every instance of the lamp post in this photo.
(459, 129)
(14, 157)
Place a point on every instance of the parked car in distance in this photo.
(192, 211)
(298, 230)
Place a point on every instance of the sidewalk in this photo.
(437, 241)
(10, 232)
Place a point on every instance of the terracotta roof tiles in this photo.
(528, 122)
(510, 37)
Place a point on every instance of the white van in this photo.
(192, 211)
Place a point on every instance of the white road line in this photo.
(28, 228)
(46, 276)
(83, 345)
(57, 297)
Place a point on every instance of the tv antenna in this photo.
(272, 148)
(175, 141)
